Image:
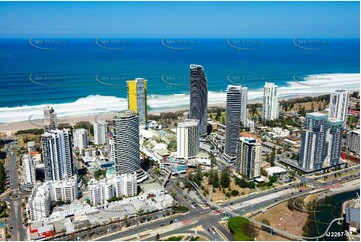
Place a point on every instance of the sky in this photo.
(180, 19)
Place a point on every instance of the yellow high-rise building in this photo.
(137, 98)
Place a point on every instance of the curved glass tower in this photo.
(198, 96)
(126, 144)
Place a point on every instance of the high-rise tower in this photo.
(126, 144)
(137, 99)
(233, 120)
(270, 110)
(198, 96)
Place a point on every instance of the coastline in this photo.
(33, 123)
(97, 107)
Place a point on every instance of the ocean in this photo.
(88, 76)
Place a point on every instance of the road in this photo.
(15, 198)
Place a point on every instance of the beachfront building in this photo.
(81, 139)
(126, 144)
(188, 139)
(244, 112)
(338, 107)
(353, 141)
(39, 204)
(321, 142)
(100, 132)
(57, 154)
(198, 97)
(233, 119)
(50, 119)
(100, 192)
(137, 99)
(249, 157)
(28, 166)
(270, 109)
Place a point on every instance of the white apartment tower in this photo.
(28, 170)
(50, 119)
(338, 107)
(244, 101)
(57, 155)
(188, 139)
(121, 185)
(270, 110)
(249, 157)
(39, 204)
(100, 132)
(66, 190)
(81, 139)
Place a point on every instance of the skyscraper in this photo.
(126, 144)
(321, 142)
(338, 107)
(100, 132)
(198, 96)
(81, 139)
(233, 120)
(137, 99)
(57, 154)
(50, 120)
(249, 157)
(28, 171)
(270, 110)
(244, 101)
(188, 139)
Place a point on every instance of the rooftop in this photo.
(124, 114)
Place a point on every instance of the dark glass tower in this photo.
(198, 96)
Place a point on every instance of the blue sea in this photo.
(88, 76)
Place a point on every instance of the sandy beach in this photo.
(10, 128)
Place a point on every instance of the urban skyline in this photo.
(180, 121)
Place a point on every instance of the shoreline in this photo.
(12, 127)
(93, 104)
(32, 123)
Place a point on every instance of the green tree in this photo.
(172, 146)
(225, 178)
(235, 193)
(215, 181)
(264, 172)
(241, 228)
